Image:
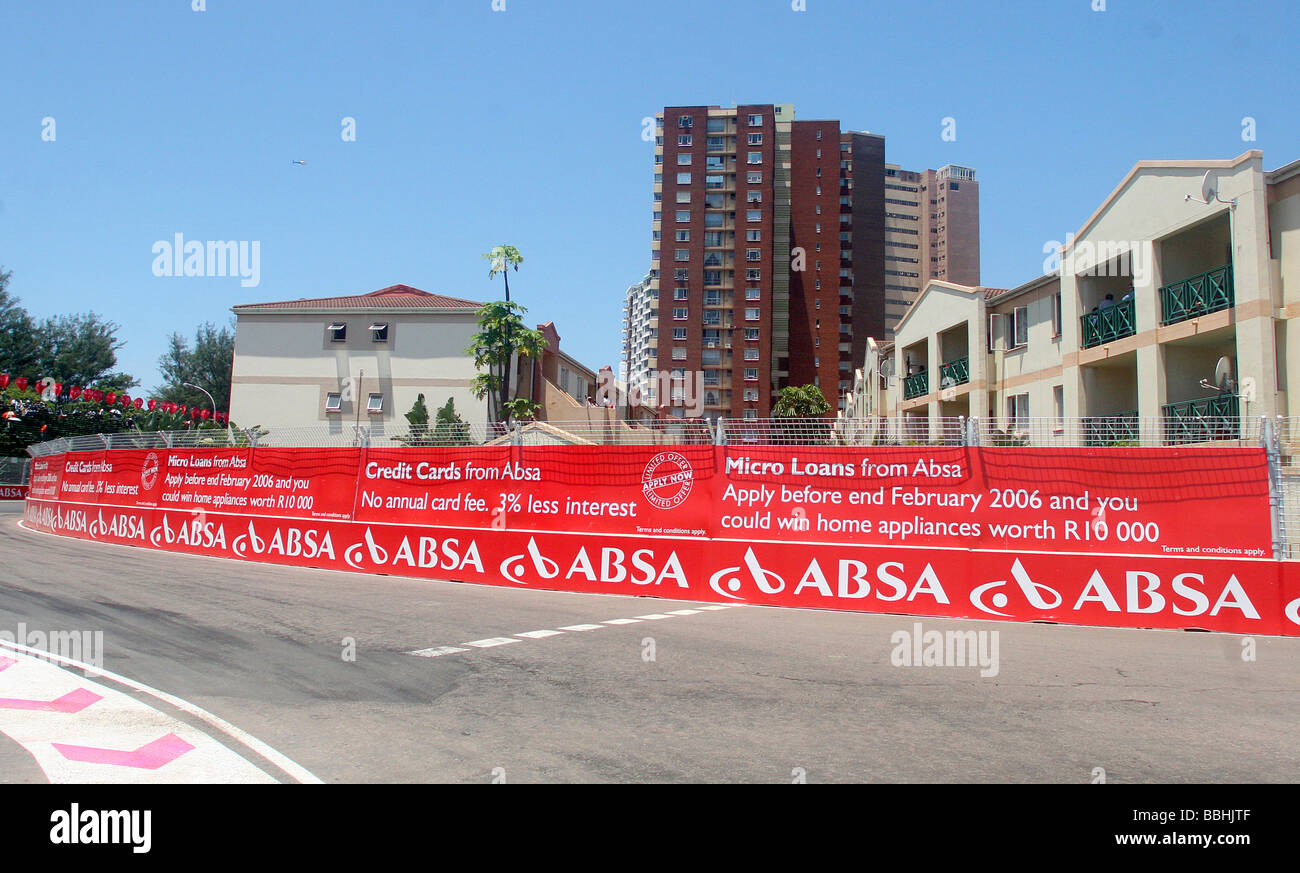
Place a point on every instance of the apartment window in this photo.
(819, 227)
(754, 177)
(659, 197)
(712, 277)
(710, 357)
(817, 284)
(712, 298)
(713, 201)
(755, 121)
(751, 334)
(754, 215)
(713, 259)
(819, 136)
(753, 236)
(334, 402)
(715, 143)
(684, 139)
(753, 274)
(712, 238)
(714, 181)
(379, 332)
(338, 332)
(755, 157)
(681, 254)
(659, 159)
(1020, 327)
(683, 215)
(751, 374)
(715, 164)
(716, 125)
(819, 154)
(680, 293)
(681, 275)
(685, 122)
(683, 236)
(751, 396)
(753, 293)
(751, 354)
(658, 216)
(712, 316)
(684, 159)
(754, 197)
(713, 219)
(682, 196)
(679, 314)
(683, 178)
(679, 353)
(679, 333)
(375, 404)
(1018, 410)
(1058, 400)
(756, 139)
(751, 314)
(994, 325)
(753, 254)
(1056, 314)
(749, 413)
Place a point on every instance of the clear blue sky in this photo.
(477, 127)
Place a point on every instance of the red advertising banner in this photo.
(1232, 595)
(1129, 537)
(13, 492)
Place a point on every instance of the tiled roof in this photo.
(991, 293)
(392, 297)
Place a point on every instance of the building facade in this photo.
(1169, 320)
(767, 254)
(339, 362)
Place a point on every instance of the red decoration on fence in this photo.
(21, 382)
(4, 381)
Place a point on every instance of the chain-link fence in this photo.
(1099, 432)
(13, 471)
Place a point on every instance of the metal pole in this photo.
(1272, 448)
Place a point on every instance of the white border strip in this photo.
(283, 762)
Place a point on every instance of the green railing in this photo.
(1108, 430)
(1199, 421)
(955, 372)
(1209, 292)
(916, 385)
(1109, 324)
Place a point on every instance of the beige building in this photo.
(336, 362)
(1168, 321)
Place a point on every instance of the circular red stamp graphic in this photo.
(667, 480)
(149, 471)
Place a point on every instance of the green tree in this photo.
(82, 350)
(800, 402)
(19, 345)
(418, 418)
(207, 363)
(501, 335)
(503, 258)
(449, 428)
(800, 410)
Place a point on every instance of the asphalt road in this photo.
(744, 694)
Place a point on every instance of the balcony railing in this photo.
(1200, 295)
(1110, 430)
(955, 372)
(1199, 421)
(1109, 323)
(916, 385)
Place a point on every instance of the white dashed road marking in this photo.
(492, 642)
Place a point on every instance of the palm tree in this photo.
(503, 258)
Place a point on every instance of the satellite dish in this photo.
(1223, 372)
(887, 368)
(1208, 189)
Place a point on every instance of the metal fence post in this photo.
(720, 437)
(972, 431)
(1276, 498)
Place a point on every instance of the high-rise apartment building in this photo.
(932, 231)
(635, 368)
(767, 265)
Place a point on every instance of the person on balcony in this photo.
(1108, 302)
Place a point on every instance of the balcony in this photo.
(1111, 430)
(955, 373)
(1200, 295)
(1109, 324)
(1199, 421)
(916, 385)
